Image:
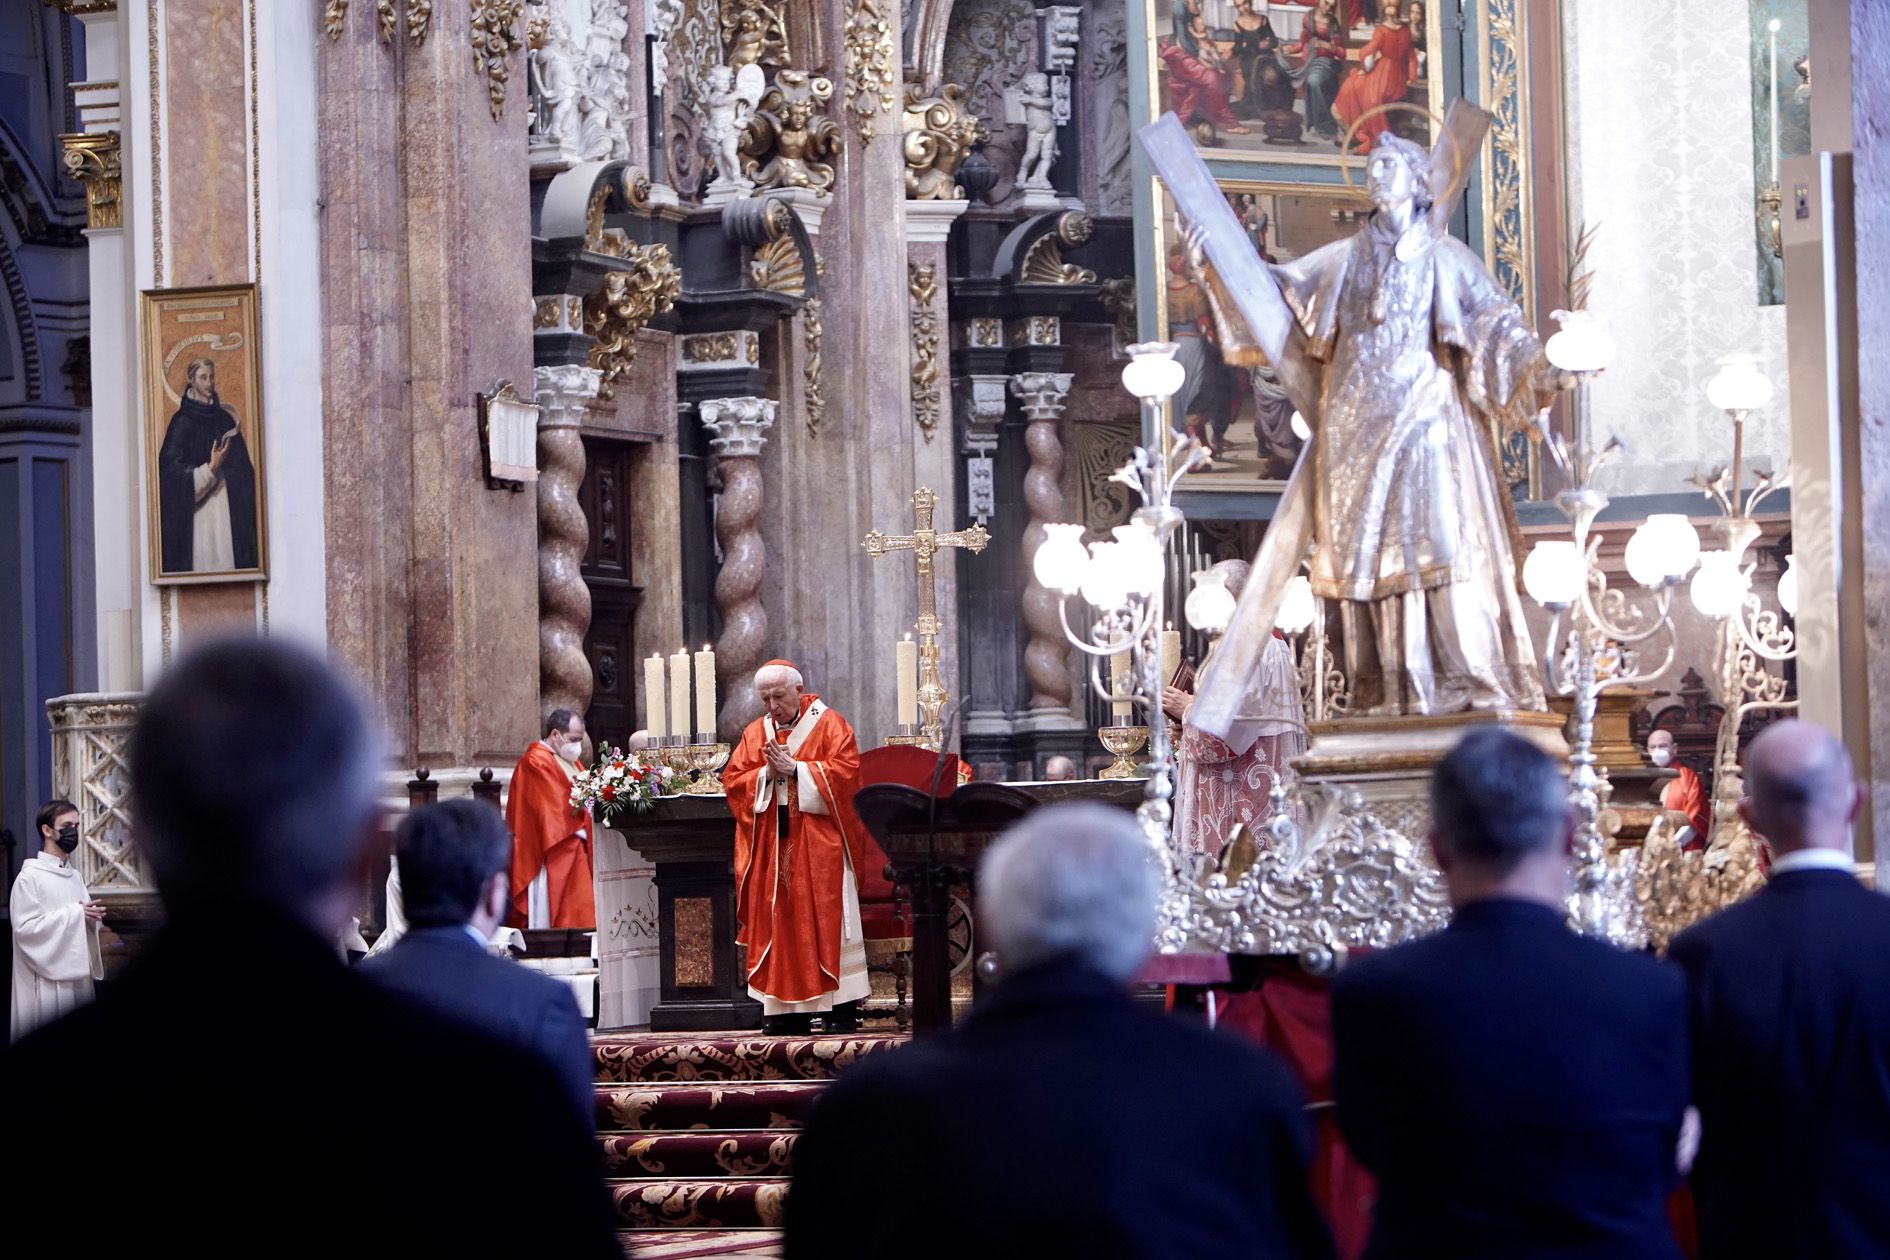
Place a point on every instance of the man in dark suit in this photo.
(238, 1090)
(456, 886)
(1791, 1025)
(1517, 1089)
(1059, 1118)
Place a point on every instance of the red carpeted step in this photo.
(628, 1058)
(699, 1153)
(706, 1203)
(700, 1244)
(734, 1105)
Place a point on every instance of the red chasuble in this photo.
(790, 890)
(548, 833)
(1687, 795)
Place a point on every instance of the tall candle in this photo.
(705, 692)
(1119, 707)
(679, 694)
(653, 710)
(906, 664)
(1772, 29)
(1171, 655)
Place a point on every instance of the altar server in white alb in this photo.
(55, 926)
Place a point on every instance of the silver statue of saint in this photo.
(1405, 353)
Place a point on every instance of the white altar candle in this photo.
(1119, 708)
(906, 664)
(1171, 655)
(679, 694)
(705, 692)
(653, 711)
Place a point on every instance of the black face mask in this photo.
(68, 838)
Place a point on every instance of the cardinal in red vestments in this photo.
(551, 842)
(798, 849)
(1685, 794)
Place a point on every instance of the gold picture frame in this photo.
(205, 489)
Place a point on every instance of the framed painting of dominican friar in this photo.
(204, 435)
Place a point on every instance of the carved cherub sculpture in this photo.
(732, 98)
(1040, 150)
(554, 71)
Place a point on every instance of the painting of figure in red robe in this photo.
(1282, 82)
(203, 398)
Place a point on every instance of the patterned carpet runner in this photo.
(698, 1133)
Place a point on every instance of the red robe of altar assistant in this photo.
(790, 892)
(548, 833)
(1687, 795)
(1395, 69)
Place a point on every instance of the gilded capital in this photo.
(737, 427)
(92, 158)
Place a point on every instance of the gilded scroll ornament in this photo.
(722, 347)
(385, 18)
(870, 64)
(627, 300)
(419, 18)
(787, 142)
(334, 18)
(1043, 261)
(777, 267)
(812, 392)
(1678, 887)
(495, 38)
(922, 283)
(93, 158)
(940, 131)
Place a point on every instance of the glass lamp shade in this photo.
(1583, 344)
(1141, 556)
(1210, 604)
(1106, 581)
(1664, 549)
(1061, 562)
(1788, 589)
(1720, 586)
(1553, 574)
(1296, 607)
(1153, 374)
(1739, 385)
(1301, 429)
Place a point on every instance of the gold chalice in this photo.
(1124, 742)
(706, 760)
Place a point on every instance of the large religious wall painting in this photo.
(1293, 83)
(1781, 124)
(1242, 414)
(203, 435)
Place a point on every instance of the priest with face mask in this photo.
(1683, 794)
(55, 926)
(798, 849)
(551, 841)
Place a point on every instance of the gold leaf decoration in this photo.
(627, 300)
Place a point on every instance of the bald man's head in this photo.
(1800, 793)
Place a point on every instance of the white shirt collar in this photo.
(57, 863)
(473, 932)
(1813, 860)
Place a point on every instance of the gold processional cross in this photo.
(924, 543)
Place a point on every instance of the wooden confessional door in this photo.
(611, 643)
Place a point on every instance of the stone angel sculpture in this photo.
(1030, 104)
(1402, 352)
(733, 97)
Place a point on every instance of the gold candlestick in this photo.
(1124, 742)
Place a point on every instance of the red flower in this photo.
(609, 794)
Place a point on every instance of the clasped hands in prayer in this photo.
(780, 760)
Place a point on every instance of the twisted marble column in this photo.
(1046, 656)
(562, 392)
(737, 427)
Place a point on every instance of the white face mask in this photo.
(571, 751)
(1660, 756)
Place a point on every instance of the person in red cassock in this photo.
(1684, 794)
(551, 842)
(798, 850)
